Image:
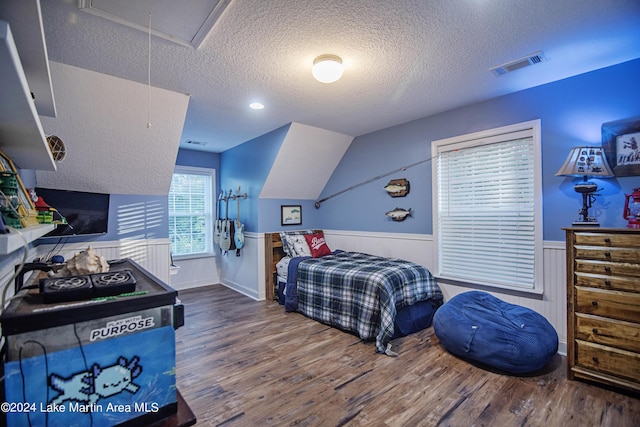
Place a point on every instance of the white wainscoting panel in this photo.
(195, 272)
(412, 247)
(245, 273)
(152, 254)
(9, 262)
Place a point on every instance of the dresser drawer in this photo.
(610, 332)
(607, 254)
(606, 239)
(620, 363)
(616, 283)
(613, 304)
(606, 267)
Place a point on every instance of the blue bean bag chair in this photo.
(480, 327)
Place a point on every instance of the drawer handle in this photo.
(595, 359)
(607, 240)
(607, 254)
(607, 283)
(595, 331)
(594, 303)
(607, 269)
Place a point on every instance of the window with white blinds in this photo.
(487, 207)
(191, 212)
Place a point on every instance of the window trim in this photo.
(483, 138)
(211, 173)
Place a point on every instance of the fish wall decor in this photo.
(399, 214)
(397, 187)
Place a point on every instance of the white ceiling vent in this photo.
(532, 59)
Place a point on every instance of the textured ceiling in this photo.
(404, 59)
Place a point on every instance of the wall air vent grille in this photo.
(200, 143)
(534, 58)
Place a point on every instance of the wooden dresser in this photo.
(603, 304)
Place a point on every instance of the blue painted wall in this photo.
(137, 217)
(131, 216)
(147, 217)
(270, 215)
(248, 165)
(140, 216)
(571, 112)
(201, 159)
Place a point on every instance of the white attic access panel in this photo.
(169, 19)
(103, 122)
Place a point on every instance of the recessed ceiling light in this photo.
(256, 106)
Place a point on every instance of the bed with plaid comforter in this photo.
(358, 292)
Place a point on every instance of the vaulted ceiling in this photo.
(404, 59)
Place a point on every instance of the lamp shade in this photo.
(586, 161)
(327, 68)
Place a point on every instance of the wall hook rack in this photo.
(234, 196)
(404, 168)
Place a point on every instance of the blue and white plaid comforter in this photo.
(360, 292)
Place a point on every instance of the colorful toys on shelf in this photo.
(46, 213)
(9, 201)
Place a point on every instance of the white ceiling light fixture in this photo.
(327, 68)
(256, 106)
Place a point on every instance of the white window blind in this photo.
(191, 212)
(488, 217)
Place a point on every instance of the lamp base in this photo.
(586, 224)
(634, 223)
(587, 190)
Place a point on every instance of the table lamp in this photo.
(586, 162)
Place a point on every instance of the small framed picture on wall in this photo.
(290, 214)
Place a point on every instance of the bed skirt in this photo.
(408, 320)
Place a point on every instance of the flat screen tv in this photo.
(86, 213)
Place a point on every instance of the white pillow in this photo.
(294, 244)
(300, 245)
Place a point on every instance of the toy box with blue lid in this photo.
(99, 361)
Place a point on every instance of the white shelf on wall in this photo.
(21, 135)
(25, 19)
(12, 241)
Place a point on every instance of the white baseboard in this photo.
(251, 293)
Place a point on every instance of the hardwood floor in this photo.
(242, 362)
